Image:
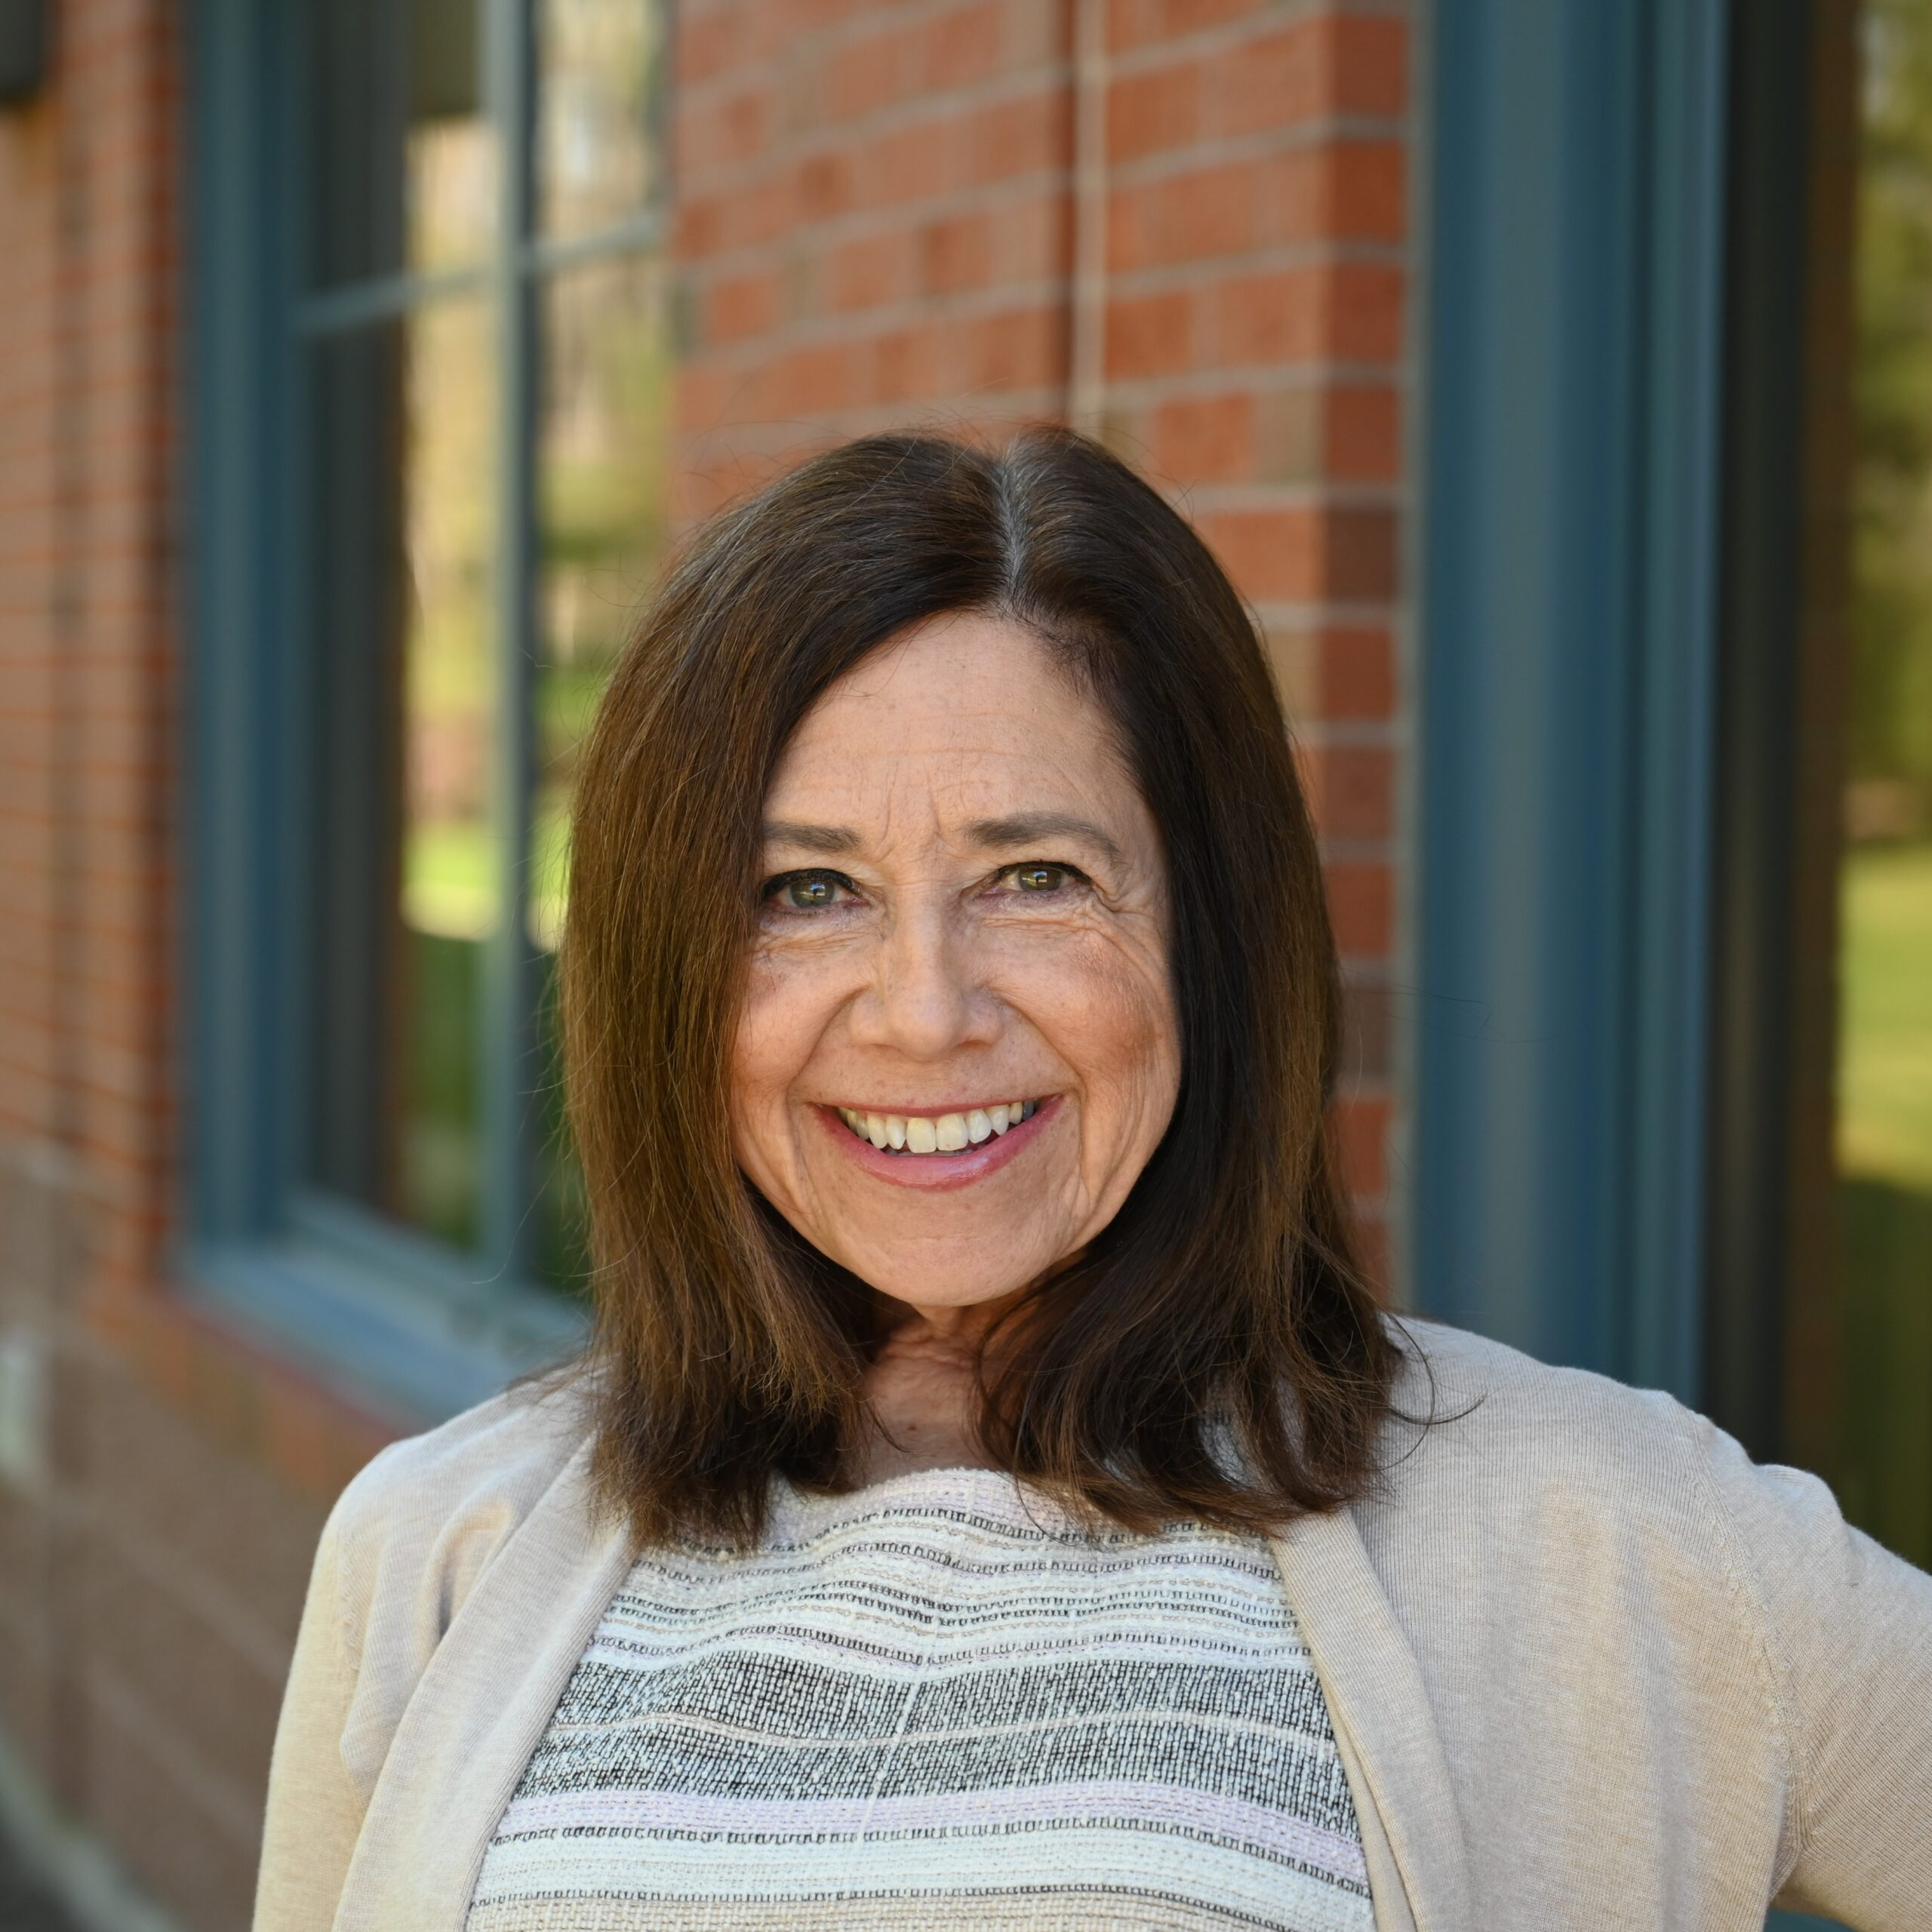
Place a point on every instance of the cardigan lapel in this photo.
(1389, 1746)
(479, 1712)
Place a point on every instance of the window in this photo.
(1879, 1453)
(1821, 1335)
(455, 296)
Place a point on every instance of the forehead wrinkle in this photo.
(1028, 828)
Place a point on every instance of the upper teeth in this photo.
(939, 1133)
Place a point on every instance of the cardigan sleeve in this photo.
(314, 1805)
(1847, 1631)
(400, 1554)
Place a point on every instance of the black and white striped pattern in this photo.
(936, 1700)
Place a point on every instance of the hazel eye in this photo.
(1039, 876)
(806, 892)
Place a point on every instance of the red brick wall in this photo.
(151, 1574)
(877, 220)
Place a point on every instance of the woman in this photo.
(991, 1496)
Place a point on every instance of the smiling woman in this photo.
(991, 1494)
(997, 807)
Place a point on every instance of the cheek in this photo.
(777, 1027)
(1106, 1010)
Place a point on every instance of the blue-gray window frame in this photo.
(1567, 643)
(1571, 637)
(396, 1320)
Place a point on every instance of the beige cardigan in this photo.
(1588, 1667)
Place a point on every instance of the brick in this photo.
(1153, 111)
(1006, 138)
(825, 185)
(1361, 1130)
(1276, 315)
(904, 165)
(1360, 904)
(1343, 554)
(904, 365)
(1031, 231)
(955, 252)
(723, 132)
(870, 271)
(1270, 553)
(1352, 793)
(1136, 23)
(742, 306)
(708, 45)
(1211, 211)
(1362, 438)
(810, 380)
(1023, 349)
(1359, 555)
(1363, 191)
(1357, 673)
(1205, 439)
(964, 45)
(1151, 335)
(1327, 65)
(862, 76)
(1369, 63)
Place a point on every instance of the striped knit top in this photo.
(937, 1701)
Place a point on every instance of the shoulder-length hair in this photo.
(1223, 1308)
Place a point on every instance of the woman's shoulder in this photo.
(1538, 1465)
(1484, 1433)
(451, 1497)
(1462, 1397)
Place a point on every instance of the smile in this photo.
(936, 1133)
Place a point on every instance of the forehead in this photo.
(964, 705)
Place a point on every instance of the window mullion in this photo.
(508, 1048)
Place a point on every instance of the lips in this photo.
(943, 1168)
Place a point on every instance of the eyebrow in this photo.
(1024, 828)
(1031, 828)
(832, 842)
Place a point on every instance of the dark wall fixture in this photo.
(1771, 1317)
(23, 40)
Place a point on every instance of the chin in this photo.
(928, 1284)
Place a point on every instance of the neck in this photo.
(921, 1391)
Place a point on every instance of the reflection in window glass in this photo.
(1884, 1118)
(404, 721)
(404, 162)
(419, 633)
(601, 494)
(600, 66)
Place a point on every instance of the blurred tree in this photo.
(1891, 724)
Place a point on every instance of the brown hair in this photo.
(1222, 1307)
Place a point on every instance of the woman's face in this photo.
(958, 1048)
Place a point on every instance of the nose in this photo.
(925, 1000)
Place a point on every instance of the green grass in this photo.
(1883, 1466)
(1885, 1024)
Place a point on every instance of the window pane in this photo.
(1884, 1125)
(403, 162)
(598, 107)
(405, 885)
(602, 493)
